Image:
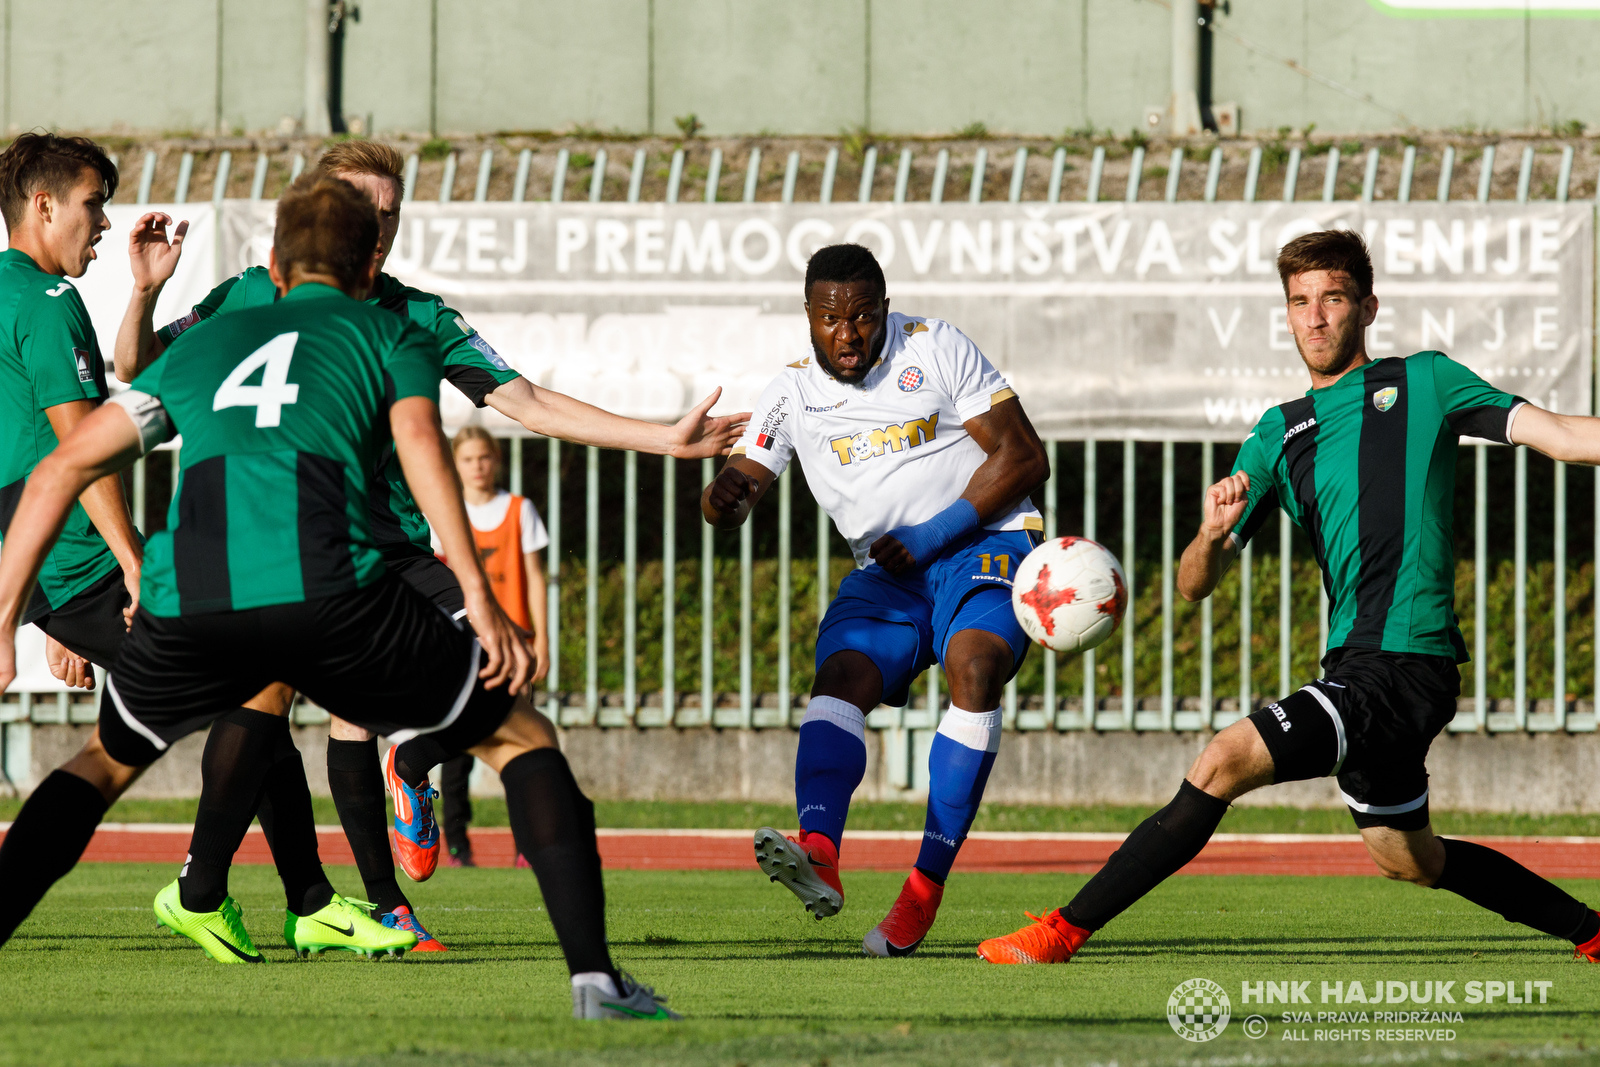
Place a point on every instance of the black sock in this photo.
(553, 825)
(356, 782)
(455, 790)
(237, 756)
(1155, 851)
(930, 876)
(291, 828)
(414, 759)
(1495, 881)
(44, 843)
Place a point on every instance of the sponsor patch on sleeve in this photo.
(177, 326)
(85, 368)
(486, 350)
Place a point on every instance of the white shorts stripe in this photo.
(127, 717)
(1384, 809)
(1338, 724)
(400, 737)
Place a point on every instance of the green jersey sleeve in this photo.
(208, 306)
(411, 366)
(252, 287)
(1258, 458)
(58, 348)
(1472, 406)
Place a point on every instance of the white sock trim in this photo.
(841, 713)
(599, 979)
(977, 730)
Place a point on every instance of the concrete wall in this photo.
(1532, 773)
(1034, 67)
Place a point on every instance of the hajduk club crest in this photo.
(910, 379)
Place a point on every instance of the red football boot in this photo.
(909, 919)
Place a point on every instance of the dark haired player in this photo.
(1365, 464)
(52, 195)
(268, 571)
(924, 458)
(401, 533)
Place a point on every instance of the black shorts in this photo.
(90, 624)
(382, 657)
(428, 575)
(1368, 721)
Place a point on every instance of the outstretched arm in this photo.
(1212, 551)
(1016, 466)
(153, 259)
(1570, 438)
(102, 445)
(545, 411)
(425, 458)
(737, 488)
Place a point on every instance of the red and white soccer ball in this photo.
(1069, 594)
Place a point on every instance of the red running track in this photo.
(723, 850)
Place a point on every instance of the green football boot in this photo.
(221, 933)
(346, 924)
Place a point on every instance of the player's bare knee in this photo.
(1234, 763)
(94, 765)
(524, 730)
(275, 699)
(977, 666)
(340, 730)
(849, 676)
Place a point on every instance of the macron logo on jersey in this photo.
(869, 443)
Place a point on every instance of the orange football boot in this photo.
(1051, 939)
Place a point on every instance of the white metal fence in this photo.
(650, 696)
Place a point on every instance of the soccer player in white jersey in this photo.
(924, 458)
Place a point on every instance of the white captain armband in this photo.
(149, 418)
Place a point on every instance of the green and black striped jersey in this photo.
(1367, 467)
(469, 363)
(48, 356)
(284, 415)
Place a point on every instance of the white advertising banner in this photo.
(107, 284)
(1153, 321)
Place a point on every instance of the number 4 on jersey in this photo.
(274, 392)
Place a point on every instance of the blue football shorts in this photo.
(904, 625)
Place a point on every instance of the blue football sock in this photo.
(831, 762)
(959, 762)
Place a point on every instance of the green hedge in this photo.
(1146, 616)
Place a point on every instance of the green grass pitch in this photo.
(88, 981)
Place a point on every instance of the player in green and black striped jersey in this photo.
(1365, 464)
(268, 570)
(473, 366)
(52, 193)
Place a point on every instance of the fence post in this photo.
(869, 171)
(1168, 701)
(1330, 175)
(1208, 708)
(675, 176)
(1090, 492)
(1130, 698)
(708, 696)
(591, 586)
(553, 575)
(630, 589)
(980, 164)
(941, 170)
(447, 184)
(669, 586)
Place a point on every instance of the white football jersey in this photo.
(891, 451)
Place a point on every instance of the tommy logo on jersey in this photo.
(1384, 399)
(770, 424)
(910, 380)
(869, 443)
